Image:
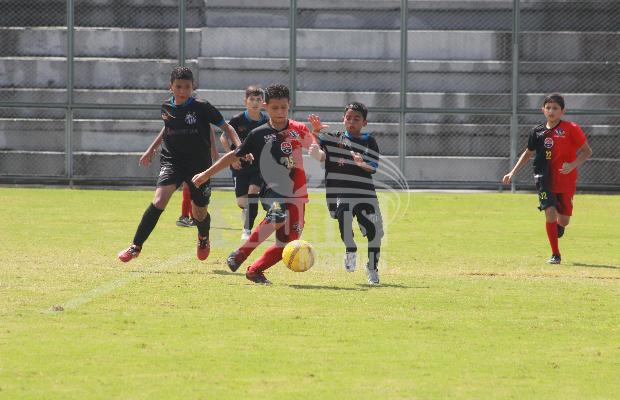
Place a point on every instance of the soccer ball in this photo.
(298, 255)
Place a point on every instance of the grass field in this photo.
(467, 307)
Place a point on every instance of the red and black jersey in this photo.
(279, 157)
(554, 147)
(243, 124)
(187, 137)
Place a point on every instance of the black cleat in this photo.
(555, 259)
(257, 277)
(233, 261)
(560, 231)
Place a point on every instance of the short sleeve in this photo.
(247, 146)
(212, 114)
(531, 141)
(578, 138)
(373, 155)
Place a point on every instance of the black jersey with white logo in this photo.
(187, 137)
(243, 124)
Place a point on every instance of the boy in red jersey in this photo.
(277, 151)
(558, 147)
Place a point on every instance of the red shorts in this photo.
(564, 203)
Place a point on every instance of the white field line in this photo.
(109, 287)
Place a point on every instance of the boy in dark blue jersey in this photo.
(351, 157)
(245, 174)
(186, 150)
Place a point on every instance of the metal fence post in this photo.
(514, 117)
(182, 33)
(402, 134)
(70, 84)
(292, 65)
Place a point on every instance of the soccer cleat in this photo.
(373, 275)
(560, 231)
(555, 259)
(245, 235)
(257, 277)
(185, 221)
(350, 259)
(203, 248)
(130, 253)
(234, 260)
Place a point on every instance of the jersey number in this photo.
(543, 195)
(548, 154)
(289, 162)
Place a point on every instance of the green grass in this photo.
(467, 309)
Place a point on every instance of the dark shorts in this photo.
(563, 202)
(170, 174)
(243, 180)
(365, 210)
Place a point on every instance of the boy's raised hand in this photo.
(316, 123)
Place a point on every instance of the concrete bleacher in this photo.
(459, 57)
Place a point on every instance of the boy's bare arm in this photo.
(525, 157)
(147, 156)
(219, 165)
(214, 154)
(231, 133)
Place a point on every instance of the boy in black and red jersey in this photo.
(558, 147)
(277, 151)
(186, 150)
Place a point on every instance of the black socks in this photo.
(147, 224)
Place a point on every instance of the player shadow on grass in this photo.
(143, 271)
(577, 264)
(391, 285)
(322, 287)
(224, 272)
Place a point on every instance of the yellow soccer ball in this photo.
(298, 255)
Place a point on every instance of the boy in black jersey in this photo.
(186, 219)
(351, 157)
(186, 150)
(245, 174)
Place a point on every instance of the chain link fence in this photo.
(453, 86)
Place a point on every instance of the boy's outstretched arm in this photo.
(525, 157)
(219, 165)
(147, 156)
(231, 133)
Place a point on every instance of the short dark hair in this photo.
(276, 91)
(359, 107)
(554, 98)
(181, 73)
(254, 90)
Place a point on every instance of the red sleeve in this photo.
(577, 136)
(307, 138)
